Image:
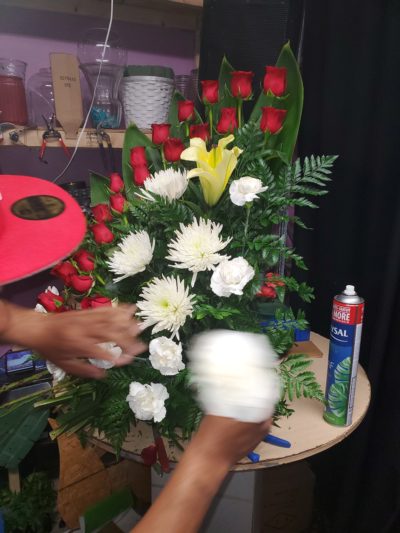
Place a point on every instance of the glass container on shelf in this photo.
(41, 97)
(12, 92)
(107, 110)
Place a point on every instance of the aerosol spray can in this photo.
(344, 348)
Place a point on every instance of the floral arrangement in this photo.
(195, 233)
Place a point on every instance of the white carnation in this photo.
(235, 374)
(147, 401)
(169, 183)
(134, 254)
(166, 304)
(196, 246)
(245, 190)
(57, 372)
(230, 277)
(113, 350)
(166, 356)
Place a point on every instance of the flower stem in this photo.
(267, 135)
(210, 119)
(240, 111)
(246, 224)
(187, 129)
(99, 278)
(163, 158)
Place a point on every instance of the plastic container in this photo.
(13, 106)
(40, 97)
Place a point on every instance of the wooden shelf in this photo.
(32, 137)
(182, 14)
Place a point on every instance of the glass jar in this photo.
(12, 92)
(107, 109)
(40, 97)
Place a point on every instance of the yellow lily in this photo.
(214, 167)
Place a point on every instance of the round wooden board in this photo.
(307, 431)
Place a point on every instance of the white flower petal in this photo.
(166, 356)
(147, 401)
(246, 189)
(170, 183)
(165, 304)
(134, 254)
(230, 277)
(113, 349)
(57, 372)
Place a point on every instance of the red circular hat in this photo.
(40, 224)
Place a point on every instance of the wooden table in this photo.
(255, 498)
(307, 431)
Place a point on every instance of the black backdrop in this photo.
(351, 70)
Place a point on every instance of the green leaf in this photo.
(99, 191)
(225, 97)
(285, 141)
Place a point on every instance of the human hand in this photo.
(67, 339)
(228, 440)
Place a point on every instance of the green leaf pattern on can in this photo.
(339, 391)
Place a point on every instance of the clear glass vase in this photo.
(107, 109)
(13, 106)
(41, 97)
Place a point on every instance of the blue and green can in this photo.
(344, 349)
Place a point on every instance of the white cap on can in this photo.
(350, 290)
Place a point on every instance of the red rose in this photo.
(102, 213)
(241, 83)
(91, 302)
(116, 182)
(272, 119)
(138, 156)
(140, 174)
(185, 110)
(172, 149)
(210, 91)
(275, 80)
(227, 121)
(160, 133)
(81, 283)
(85, 260)
(149, 455)
(267, 292)
(64, 271)
(53, 303)
(200, 130)
(101, 233)
(118, 202)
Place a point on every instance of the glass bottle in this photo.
(13, 106)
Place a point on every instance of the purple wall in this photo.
(30, 35)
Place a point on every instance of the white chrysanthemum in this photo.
(147, 401)
(166, 304)
(134, 254)
(166, 356)
(230, 277)
(57, 372)
(245, 190)
(170, 183)
(196, 246)
(113, 350)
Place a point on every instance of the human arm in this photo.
(68, 338)
(218, 444)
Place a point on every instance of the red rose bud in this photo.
(118, 202)
(241, 83)
(102, 213)
(199, 130)
(101, 233)
(85, 260)
(227, 121)
(140, 174)
(160, 133)
(53, 303)
(64, 271)
(116, 182)
(91, 302)
(149, 455)
(138, 156)
(268, 292)
(275, 80)
(272, 119)
(210, 91)
(172, 149)
(185, 110)
(81, 283)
